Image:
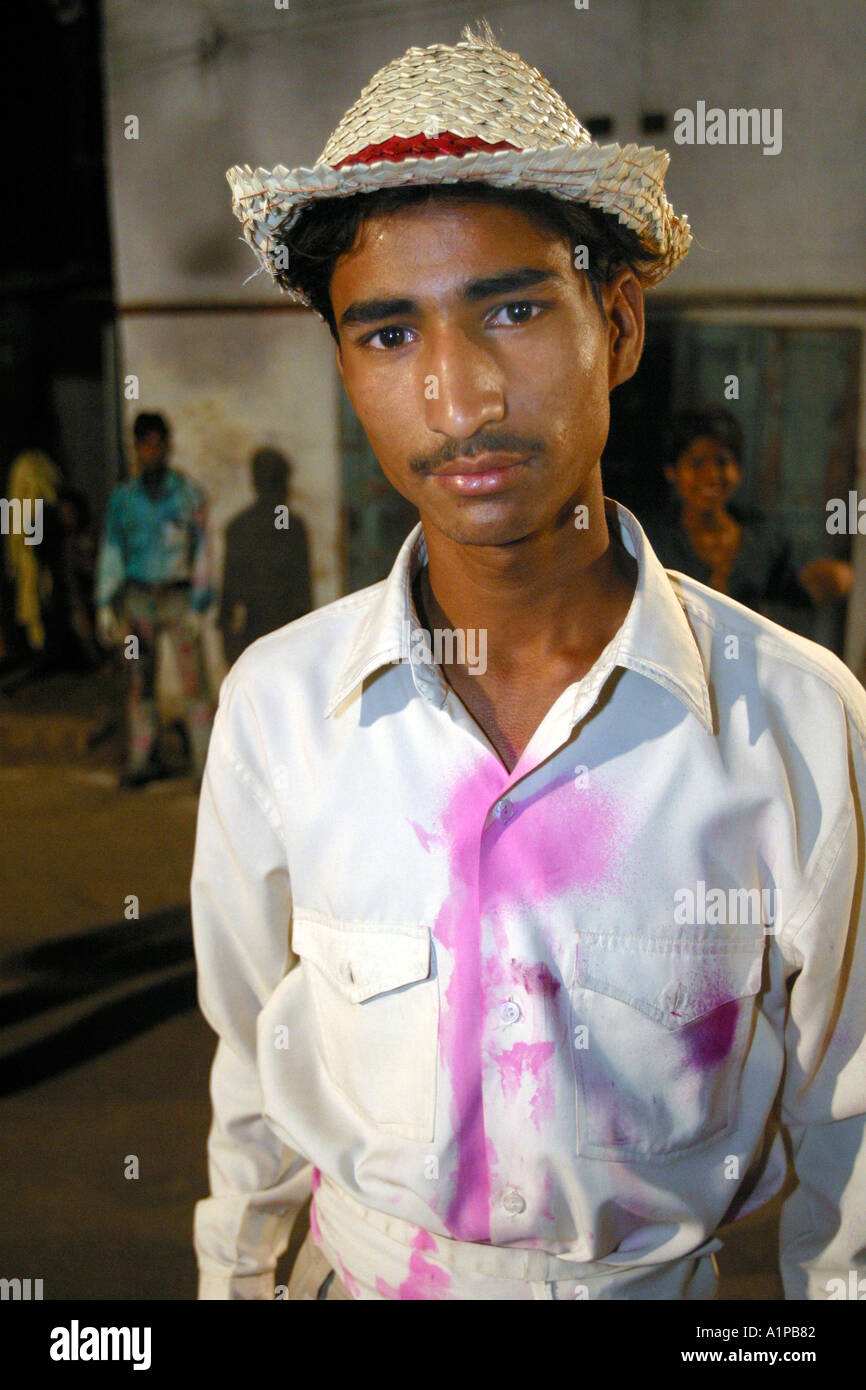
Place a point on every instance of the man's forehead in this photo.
(466, 250)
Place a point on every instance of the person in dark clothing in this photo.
(266, 581)
(736, 549)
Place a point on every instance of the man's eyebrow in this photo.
(364, 311)
(372, 310)
(508, 281)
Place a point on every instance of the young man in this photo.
(152, 578)
(501, 950)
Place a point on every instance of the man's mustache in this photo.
(483, 443)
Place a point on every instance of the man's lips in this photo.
(482, 463)
(483, 474)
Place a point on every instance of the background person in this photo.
(736, 549)
(153, 578)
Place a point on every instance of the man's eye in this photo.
(393, 337)
(521, 311)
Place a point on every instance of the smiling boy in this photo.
(435, 907)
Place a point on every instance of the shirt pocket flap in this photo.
(363, 959)
(672, 979)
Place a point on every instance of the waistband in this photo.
(159, 586)
(377, 1249)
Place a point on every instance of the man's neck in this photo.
(712, 518)
(556, 599)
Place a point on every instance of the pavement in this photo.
(104, 1057)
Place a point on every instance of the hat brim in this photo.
(627, 181)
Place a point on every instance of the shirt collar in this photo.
(655, 639)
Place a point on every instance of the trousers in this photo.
(147, 612)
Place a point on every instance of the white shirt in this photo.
(523, 1031)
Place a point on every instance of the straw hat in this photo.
(468, 112)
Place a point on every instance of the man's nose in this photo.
(463, 385)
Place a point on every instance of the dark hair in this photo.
(713, 421)
(327, 230)
(147, 422)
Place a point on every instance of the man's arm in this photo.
(823, 1231)
(201, 566)
(111, 564)
(241, 907)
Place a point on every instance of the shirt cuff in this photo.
(213, 1287)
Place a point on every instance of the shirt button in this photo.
(503, 810)
(509, 1012)
(514, 1202)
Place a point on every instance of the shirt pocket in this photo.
(661, 1027)
(376, 1001)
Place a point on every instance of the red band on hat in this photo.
(421, 147)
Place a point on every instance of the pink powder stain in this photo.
(349, 1280)
(458, 927)
(425, 839)
(555, 841)
(315, 1229)
(528, 1059)
(424, 1281)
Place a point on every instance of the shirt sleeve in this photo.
(111, 565)
(241, 907)
(823, 1229)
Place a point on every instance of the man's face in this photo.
(151, 451)
(465, 331)
(706, 474)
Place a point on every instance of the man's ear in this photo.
(338, 355)
(624, 308)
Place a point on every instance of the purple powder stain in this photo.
(535, 979)
(709, 1039)
(424, 1280)
(556, 841)
(528, 1059)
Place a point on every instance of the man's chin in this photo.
(478, 529)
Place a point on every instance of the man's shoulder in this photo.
(121, 491)
(181, 482)
(772, 659)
